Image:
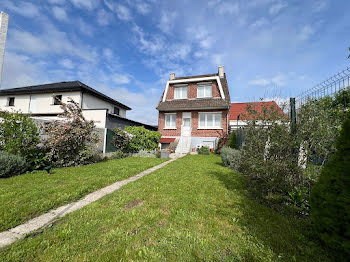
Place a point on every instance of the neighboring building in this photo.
(238, 112)
(42, 102)
(193, 111)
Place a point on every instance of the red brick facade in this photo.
(194, 125)
(192, 90)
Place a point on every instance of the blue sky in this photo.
(127, 48)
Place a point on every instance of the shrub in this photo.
(145, 153)
(233, 142)
(11, 164)
(68, 140)
(204, 150)
(142, 138)
(330, 196)
(231, 157)
(119, 154)
(121, 140)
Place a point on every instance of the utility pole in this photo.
(4, 20)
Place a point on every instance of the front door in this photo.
(186, 124)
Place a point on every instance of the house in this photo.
(193, 111)
(238, 112)
(43, 102)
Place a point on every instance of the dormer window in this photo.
(204, 90)
(57, 100)
(180, 92)
(11, 101)
(116, 110)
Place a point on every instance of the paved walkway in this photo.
(11, 235)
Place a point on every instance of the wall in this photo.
(97, 115)
(21, 103)
(194, 124)
(192, 91)
(92, 102)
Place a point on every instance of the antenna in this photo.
(4, 20)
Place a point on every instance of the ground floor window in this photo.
(209, 120)
(170, 120)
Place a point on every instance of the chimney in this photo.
(4, 19)
(172, 76)
(221, 71)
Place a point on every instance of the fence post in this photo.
(293, 117)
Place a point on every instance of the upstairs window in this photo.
(11, 101)
(204, 91)
(170, 121)
(57, 100)
(180, 92)
(116, 110)
(209, 120)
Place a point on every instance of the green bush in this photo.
(233, 143)
(330, 197)
(11, 165)
(145, 153)
(119, 154)
(121, 140)
(204, 150)
(231, 157)
(142, 138)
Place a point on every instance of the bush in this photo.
(119, 154)
(121, 140)
(233, 143)
(11, 165)
(69, 140)
(231, 157)
(204, 150)
(142, 138)
(145, 153)
(330, 197)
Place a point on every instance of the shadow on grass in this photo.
(289, 238)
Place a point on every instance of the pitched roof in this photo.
(238, 109)
(61, 87)
(200, 103)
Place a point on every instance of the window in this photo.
(170, 121)
(116, 110)
(209, 120)
(57, 100)
(204, 91)
(180, 92)
(11, 101)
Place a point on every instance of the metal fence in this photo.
(330, 86)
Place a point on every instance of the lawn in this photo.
(26, 196)
(193, 209)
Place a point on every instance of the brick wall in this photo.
(194, 124)
(192, 91)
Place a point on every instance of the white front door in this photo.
(186, 124)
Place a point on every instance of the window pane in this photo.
(167, 120)
(173, 120)
(184, 92)
(200, 91)
(177, 93)
(217, 120)
(202, 120)
(210, 120)
(187, 122)
(208, 91)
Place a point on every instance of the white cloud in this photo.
(104, 17)
(306, 32)
(278, 80)
(166, 22)
(260, 23)
(277, 7)
(86, 4)
(60, 13)
(107, 53)
(228, 8)
(120, 79)
(122, 11)
(202, 36)
(26, 9)
(67, 63)
(142, 7)
(85, 28)
(57, 1)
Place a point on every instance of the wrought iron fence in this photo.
(328, 87)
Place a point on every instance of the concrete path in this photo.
(11, 235)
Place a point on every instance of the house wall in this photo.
(97, 115)
(38, 103)
(92, 102)
(192, 90)
(194, 125)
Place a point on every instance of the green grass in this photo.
(26, 196)
(194, 209)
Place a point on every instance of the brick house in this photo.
(193, 111)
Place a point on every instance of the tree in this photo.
(233, 142)
(330, 196)
(71, 140)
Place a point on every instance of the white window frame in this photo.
(206, 120)
(204, 85)
(165, 122)
(183, 94)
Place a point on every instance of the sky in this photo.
(126, 49)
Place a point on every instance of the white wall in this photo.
(92, 102)
(98, 116)
(21, 103)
